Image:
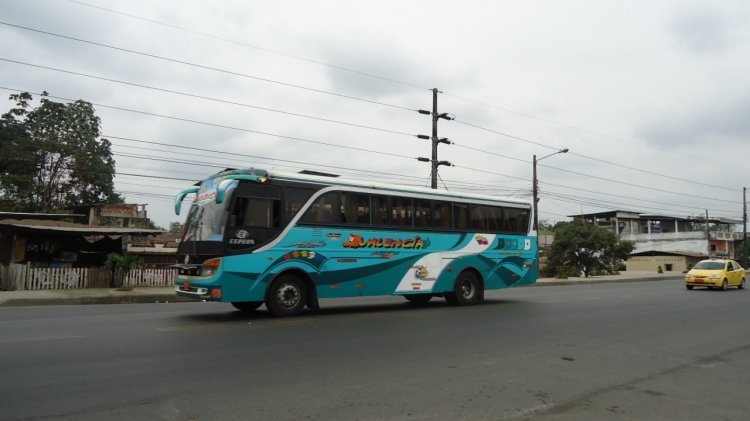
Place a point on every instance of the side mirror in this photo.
(181, 196)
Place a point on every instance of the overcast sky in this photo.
(651, 97)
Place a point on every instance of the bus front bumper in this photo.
(198, 292)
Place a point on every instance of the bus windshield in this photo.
(206, 219)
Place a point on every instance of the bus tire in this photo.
(246, 306)
(467, 290)
(418, 298)
(286, 296)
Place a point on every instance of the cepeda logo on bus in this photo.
(241, 238)
(356, 241)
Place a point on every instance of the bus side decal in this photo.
(434, 263)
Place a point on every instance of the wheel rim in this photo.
(288, 295)
(467, 289)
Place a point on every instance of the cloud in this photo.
(705, 29)
(722, 120)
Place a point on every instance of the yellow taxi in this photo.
(719, 273)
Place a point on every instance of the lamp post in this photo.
(535, 186)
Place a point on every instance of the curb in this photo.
(120, 299)
(564, 282)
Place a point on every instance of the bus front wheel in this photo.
(467, 290)
(287, 295)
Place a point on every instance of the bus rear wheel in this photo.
(246, 306)
(467, 290)
(286, 296)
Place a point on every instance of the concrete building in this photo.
(672, 243)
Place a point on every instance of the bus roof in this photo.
(338, 181)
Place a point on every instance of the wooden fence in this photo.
(23, 277)
(151, 277)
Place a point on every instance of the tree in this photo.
(52, 156)
(586, 248)
(175, 229)
(121, 266)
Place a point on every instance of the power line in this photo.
(243, 44)
(222, 126)
(307, 165)
(579, 155)
(525, 115)
(372, 151)
(207, 98)
(201, 66)
(363, 126)
(621, 196)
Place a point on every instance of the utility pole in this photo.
(708, 237)
(434, 138)
(433, 177)
(535, 197)
(535, 186)
(744, 228)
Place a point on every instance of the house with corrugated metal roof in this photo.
(672, 243)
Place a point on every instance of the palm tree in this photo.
(121, 265)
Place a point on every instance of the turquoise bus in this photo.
(288, 239)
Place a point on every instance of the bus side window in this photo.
(494, 218)
(402, 211)
(422, 216)
(355, 208)
(379, 209)
(460, 216)
(255, 212)
(322, 210)
(516, 221)
(442, 215)
(478, 219)
(295, 199)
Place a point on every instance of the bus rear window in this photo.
(516, 220)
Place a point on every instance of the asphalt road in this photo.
(649, 350)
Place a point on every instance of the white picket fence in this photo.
(23, 277)
(150, 277)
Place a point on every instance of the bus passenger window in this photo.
(460, 216)
(478, 219)
(422, 217)
(295, 198)
(494, 218)
(379, 210)
(442, 215)
(355, 208)
(322, 210)
(401, 211)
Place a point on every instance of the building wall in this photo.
(676, 264)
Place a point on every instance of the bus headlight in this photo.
(210, 267)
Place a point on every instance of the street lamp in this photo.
(535, 187)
